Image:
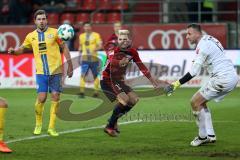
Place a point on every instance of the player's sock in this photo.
(2, 118)
(202, 122)
(126, 109)
(208, 123)
(53, 111)
(195, 114)
(117, 112)
(82, 85)
(39, 107)
(96, 84)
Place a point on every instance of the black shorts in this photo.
(112, 89)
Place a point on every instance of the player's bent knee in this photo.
(123, 99)
(42, 99)
(133, 101)
(55, 97)
(3, 103)
(194, 105)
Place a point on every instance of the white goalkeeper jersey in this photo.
(211, 55)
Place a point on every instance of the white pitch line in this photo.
(102, 126)
(68, 131)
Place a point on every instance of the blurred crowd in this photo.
(19, 11)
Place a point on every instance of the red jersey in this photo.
(111, 43)
(113, 69)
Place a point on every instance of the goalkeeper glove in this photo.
(170, 88)
(176, 85)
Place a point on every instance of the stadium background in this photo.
(158, 28)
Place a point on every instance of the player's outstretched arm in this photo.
(172, 87)
(66, 54)
(19, 50)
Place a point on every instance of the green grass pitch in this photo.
(164, 130)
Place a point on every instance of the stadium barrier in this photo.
(169, 65)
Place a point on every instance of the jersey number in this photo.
(214, 40)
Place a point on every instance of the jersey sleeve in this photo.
(198, 61)
(98, 39)
(110, 44)
(27, 42)
(139, 63)
(201, 56)
(59, 41)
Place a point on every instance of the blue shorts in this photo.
(49, 83)
(94, 66)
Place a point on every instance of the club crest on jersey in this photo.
(197, 50)
(50, 36)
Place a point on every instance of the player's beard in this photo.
(42, 27)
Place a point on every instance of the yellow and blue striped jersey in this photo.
(88, 43)
(46, 50)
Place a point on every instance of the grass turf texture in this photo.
(165, 132)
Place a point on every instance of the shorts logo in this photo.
(118, 86)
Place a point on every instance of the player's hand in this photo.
(171, 88)
(123, 62)
(70, 71)
(156, 85)
(168, 90)
(11, 50)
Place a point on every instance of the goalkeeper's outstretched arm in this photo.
(196, 68)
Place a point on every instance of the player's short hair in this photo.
(117, 23)
(123, 32)
(87, 23)
(195, 26)
(39, 12)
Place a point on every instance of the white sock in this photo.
(195, 114)
(200, 118)
(208, 122)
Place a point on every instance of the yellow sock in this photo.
(82, 84)
(2, 118)
(39, 107)
(96, 84)
(53, 111)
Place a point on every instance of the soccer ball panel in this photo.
(65, 32)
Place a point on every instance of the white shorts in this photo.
(217, 87)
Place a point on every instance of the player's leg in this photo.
(128, 102)
(216, 89)
(42, 83)
(55, 84)
(95, 71)
(106, 85)
(133, 99)
(127, 99)
(3, 108)
(84, 70)
(131, 102)
(118, 111)
(209, 125)
(198, 111)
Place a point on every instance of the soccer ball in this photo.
(65, 32)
